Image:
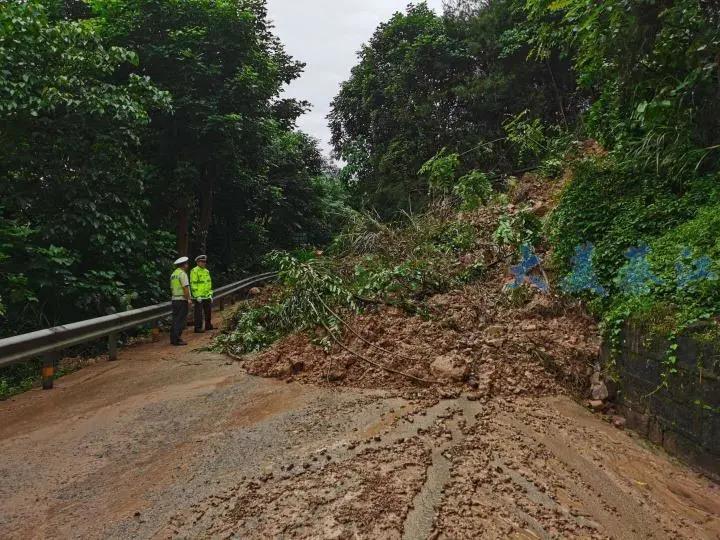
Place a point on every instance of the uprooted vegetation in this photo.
(427, 304)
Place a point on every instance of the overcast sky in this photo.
(326, 35)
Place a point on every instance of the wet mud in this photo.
(169, 443)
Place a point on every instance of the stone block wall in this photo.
(684, 418)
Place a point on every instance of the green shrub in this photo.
(18, 378)
(674, 277)
(518, 229)
(440, 170)
(616, 208)
(474, 189)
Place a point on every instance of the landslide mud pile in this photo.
(479, 338)
(473, 340)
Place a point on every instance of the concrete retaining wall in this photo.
(685, 417)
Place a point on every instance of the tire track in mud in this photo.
(370, 472)
(420, 520)
(462, 469)
(548, 469)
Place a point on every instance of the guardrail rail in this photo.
(48, 343)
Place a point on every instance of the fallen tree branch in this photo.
(405, 305)
(234, 356)
(409, 306)
(366, 341)
(363, 358)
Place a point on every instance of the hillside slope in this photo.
(480, 336)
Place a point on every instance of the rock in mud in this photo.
(495, 331)
(297, 366)
(598, 389)
(596, 404)
(336, 375)
(450, 367)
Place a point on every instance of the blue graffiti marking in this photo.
(636, 277)
(522, 271)
(692, 271)
(582, 276)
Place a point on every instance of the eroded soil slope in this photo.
(479, 338)
(496, 444)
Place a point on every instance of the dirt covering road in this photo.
(182, 443)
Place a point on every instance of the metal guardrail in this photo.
(49, 342)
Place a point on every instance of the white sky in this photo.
(326, 35)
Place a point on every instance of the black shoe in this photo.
(180, 343)
(199, 331)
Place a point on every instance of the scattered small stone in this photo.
(495, 331)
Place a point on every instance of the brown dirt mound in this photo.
(478, 338)
(473, 339)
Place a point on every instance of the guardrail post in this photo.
(112, 347)
(48, 370)
(222, 304)
(156, 331)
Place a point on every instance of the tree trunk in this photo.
(558, 95)
(206, 205)
(183, 230)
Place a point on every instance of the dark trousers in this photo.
(203, 307)
(179, 319)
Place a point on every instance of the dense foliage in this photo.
(425, 82)
(74, 237)
(652, 71)
(134, 130)
(439, 105)
(650, 206)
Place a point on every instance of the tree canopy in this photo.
(442, 105)
(426, 81)
(132, 131)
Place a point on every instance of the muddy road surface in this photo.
(182, 443)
